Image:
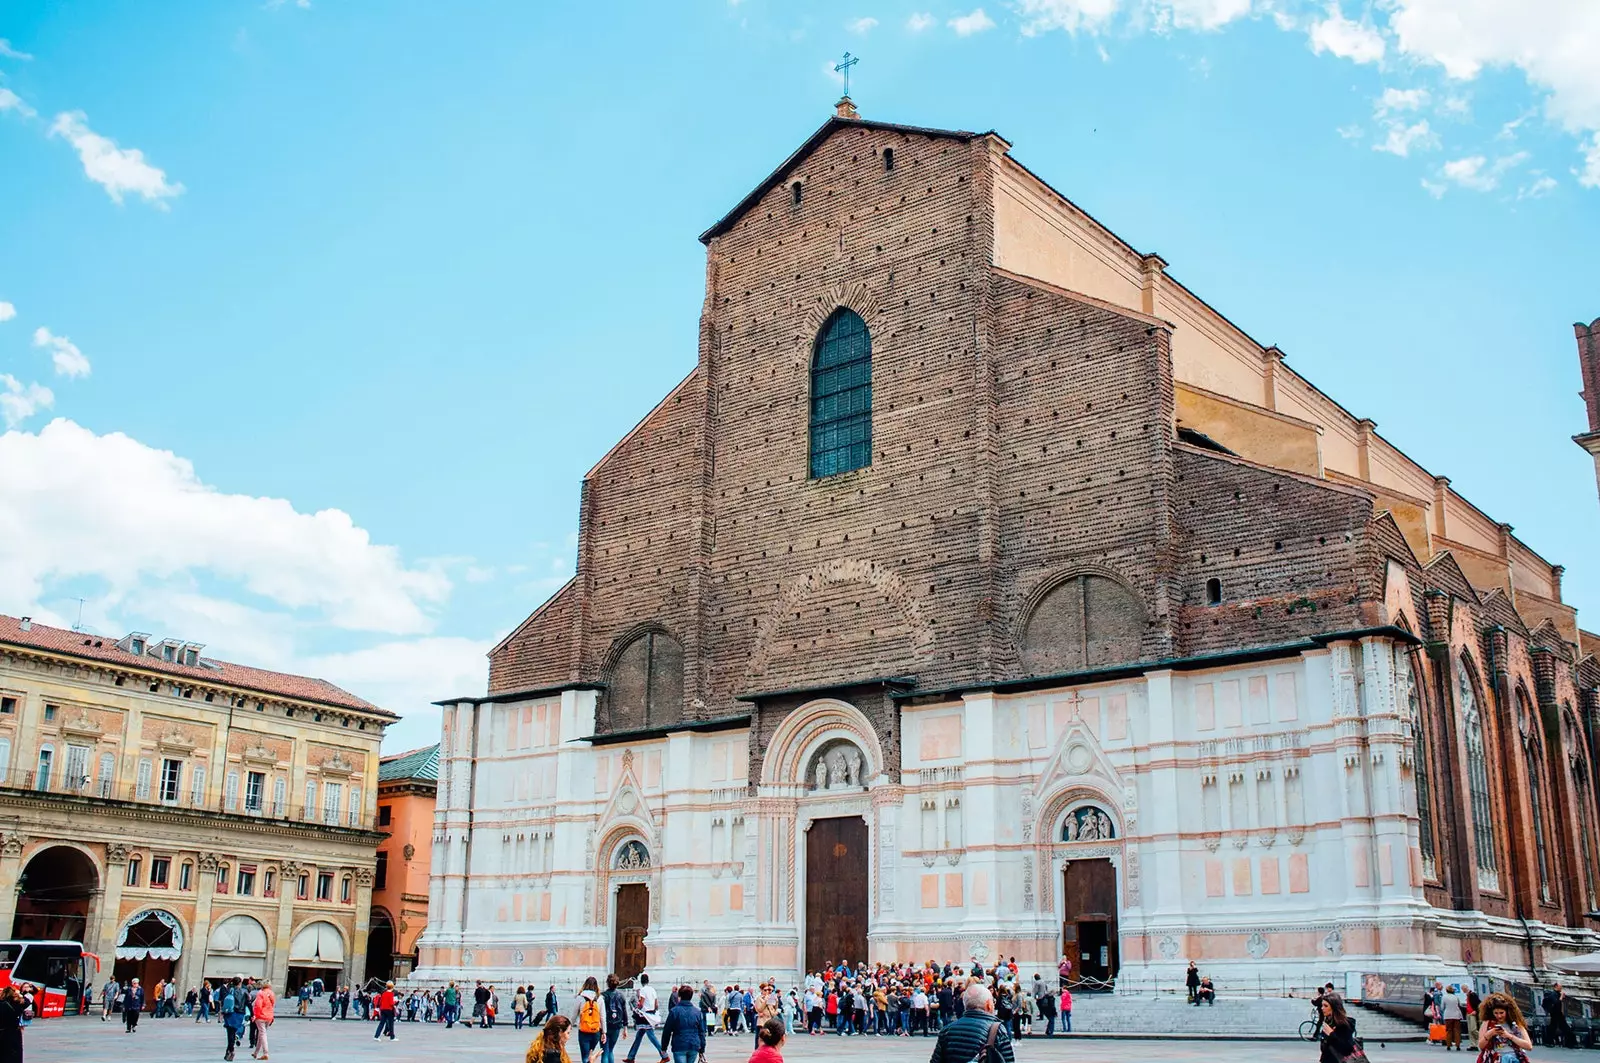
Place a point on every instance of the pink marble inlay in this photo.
(1269, 875)
(1299, 874)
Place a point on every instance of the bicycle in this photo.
(1310, 1030)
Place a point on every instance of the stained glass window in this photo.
(1411, 706)
(841, 396)
(1478, 782)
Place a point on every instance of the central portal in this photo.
(836, 891)
(633, 922)
(1089, 921)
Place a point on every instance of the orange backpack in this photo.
(589, 1017)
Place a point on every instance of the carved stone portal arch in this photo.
(815, 730)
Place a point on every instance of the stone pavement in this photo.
(75, 1040)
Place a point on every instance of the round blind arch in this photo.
(841, 395)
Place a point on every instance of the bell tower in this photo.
(1589, 361)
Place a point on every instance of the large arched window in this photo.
(1410, 704)
(1533, 759)
(1477, 779)
(1583, 821)
(841, 396)
(645, 684)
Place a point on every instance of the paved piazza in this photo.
(322, 1041)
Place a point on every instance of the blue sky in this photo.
(341, 300)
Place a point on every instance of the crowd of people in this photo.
(1493, 1024)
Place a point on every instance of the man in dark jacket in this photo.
(1555, 1006)
(964, 1040)
(132, 1004)
(684, 1032)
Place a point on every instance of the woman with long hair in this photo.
(1338, 1030)
(11, 1008)
(1502, 1033)
(551, 1044)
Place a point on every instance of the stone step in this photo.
(1094, 1013)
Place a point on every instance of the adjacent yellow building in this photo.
(184, 817)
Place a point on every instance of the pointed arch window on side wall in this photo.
(1477, 780)
(1533, 761)
(1422, 763)
(841, 396)
(1583, 820)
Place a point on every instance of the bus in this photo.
(55, 969)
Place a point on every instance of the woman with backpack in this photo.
(591, 1020)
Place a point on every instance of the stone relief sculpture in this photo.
(633, 857)
(1088, 824)
(837, 766)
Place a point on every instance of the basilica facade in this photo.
(982, 590)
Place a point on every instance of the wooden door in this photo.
(1089, 918)
(633, 923)
(836, 891)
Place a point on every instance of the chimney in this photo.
(845, 108)
(27, 623)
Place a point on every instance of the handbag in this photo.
(1435, 1032)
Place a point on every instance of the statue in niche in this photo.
(852, 761)
(1071, 834)
(822, 774)
(839, 765)
(1089, 829)
(1105, 825)
(835, 770)
(1088, 825)
(633, 857)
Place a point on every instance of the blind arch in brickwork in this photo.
(644, 680)
(1078, 621)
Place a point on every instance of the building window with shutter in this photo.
(311, 799)
(142, 787)
(171, 780)
(159, 866)
(46, 756)
(355, 806)
(185, 875)
(77, 778)
(108, 772)
(325, 886)
(331, 793)
(198, 786)
(255, 790)
(232, 791)
(5, 759)
(280, 794)
(133, 871)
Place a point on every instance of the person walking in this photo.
(11, 1009)
(616, 1012)
(202, 1010)
(1452, 1007)
(645, 1017)
(1047, 1011)
(519, 1007)
(550, 1006)
(769, 1040)
(386, 1010)
(1555, 1006)
(263, 1009)
(232, 1010)
(132, 1004)
(1503, 1035)
(591, 1019)
(684, 1032)
(978, 1036)
(452, 1002)
(109, 994)
(1338, 1031)
(1474, 1011)
(551, 1044)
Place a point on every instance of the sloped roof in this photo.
(827, 129)
(413, 764)
(223, 673)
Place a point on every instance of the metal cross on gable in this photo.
(843, 67)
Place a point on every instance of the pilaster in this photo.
(358, 948)
(105, 940)
(194, 950)
(10, 878)
(288, 891)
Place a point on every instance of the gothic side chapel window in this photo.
(1477, 780)
(1088, 824)
(841, 396)
(633, 857)
(1410, 703)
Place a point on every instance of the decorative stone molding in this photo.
(207, 862)
(288, 869)
(82, 726)
(409, 851)
(364, 876)
(1258, 945)
(13, 843)
(517, 958)
(117, 854)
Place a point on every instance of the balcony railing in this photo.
(54, 783)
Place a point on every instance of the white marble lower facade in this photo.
(1258, 817)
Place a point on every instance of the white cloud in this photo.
(1435, 189)
(974, 22)
(406, 676)
(1199, 14)
(828, 68)
(18, 402)
(1351, 132)
(1454, 107)
(1355, 41)
(9, 52)
(1477, 173)
(68, 360)
(117, 170)
(862, 25)
(1401, 138)
(106, 508)
(1041, 16)
(1553, 42)
(10, 101)
(1589, 176)
(1401, 100)
(919, 21)
(1541, 186)
(7, 310)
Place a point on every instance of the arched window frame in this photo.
(1409, 696)
(1533, 762)
(1584, 819)
(840, 425)
(1475, 737)
(660, 706)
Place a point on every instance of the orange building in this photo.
(407, 783)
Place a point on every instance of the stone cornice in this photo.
(381, 717)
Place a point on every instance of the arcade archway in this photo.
(380, 946)
(53, 895)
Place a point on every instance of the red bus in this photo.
(55, 970)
